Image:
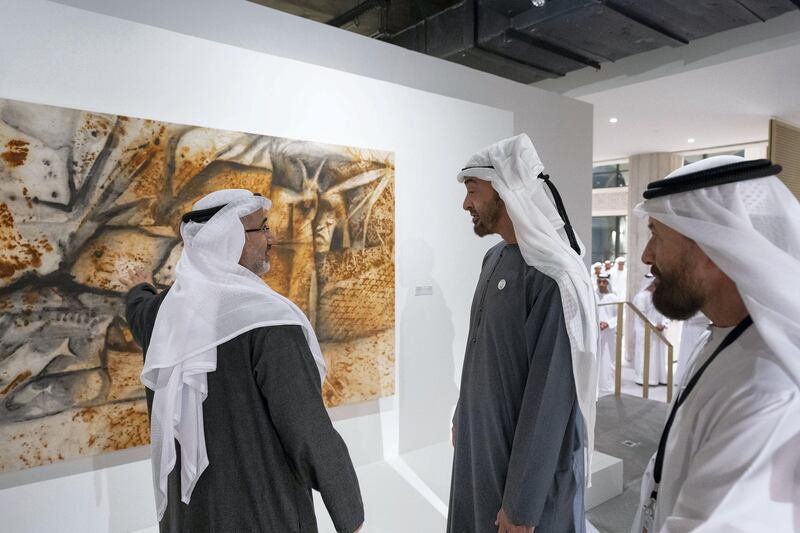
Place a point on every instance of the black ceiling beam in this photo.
(552, 73)
(639, 19)
(756, 15)
(550, 47)
(357, 11)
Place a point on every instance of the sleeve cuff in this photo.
(351, 526)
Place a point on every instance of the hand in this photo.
(603, 326)
(359, 528)
(504, 524)
(453, 435)
(661, 327)
(135, 276)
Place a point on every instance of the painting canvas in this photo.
(86, 196)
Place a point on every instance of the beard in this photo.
(677, 296)
(262, 263)
(487, 221)
(259, 267)
(256, 263)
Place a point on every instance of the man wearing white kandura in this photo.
(726, 241)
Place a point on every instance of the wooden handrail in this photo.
(648, 330)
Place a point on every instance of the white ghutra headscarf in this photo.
(515, 171)
(751, 230)
(213, 300)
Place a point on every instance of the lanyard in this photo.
(729, 339)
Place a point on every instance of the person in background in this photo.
(658, 350)
(596, 270)
(693, 333)
(619, 278)
(607, 314)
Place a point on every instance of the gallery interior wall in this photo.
(556, 124)
(181, 66)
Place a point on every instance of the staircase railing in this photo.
(649, 330)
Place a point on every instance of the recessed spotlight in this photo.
(690, 140)
(613, 120)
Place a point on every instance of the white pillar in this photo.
(644, 168)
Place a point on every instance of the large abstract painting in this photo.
(84, 197)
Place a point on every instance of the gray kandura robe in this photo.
(268, 436)
(517, 423)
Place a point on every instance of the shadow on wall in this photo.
(427, 390)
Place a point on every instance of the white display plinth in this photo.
(606, 479)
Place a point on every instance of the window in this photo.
(699, 157)
(609, 238)
(607, 176)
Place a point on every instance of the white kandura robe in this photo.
(608, 342)
(694, 329)
(733, 455)
(658, 350)
(619, 282)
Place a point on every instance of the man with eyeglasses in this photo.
(239, 431)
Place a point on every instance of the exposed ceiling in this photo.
(719, 105)
(714, 71)
(516, 40)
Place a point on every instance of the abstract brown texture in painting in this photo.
(84, 197)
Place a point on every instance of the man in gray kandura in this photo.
(525, 414)
(239, 432)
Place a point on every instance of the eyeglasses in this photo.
(263, 229)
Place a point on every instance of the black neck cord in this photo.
(729, 339)
(562, 212)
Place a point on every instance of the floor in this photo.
(402, 494)
(627, 427)
(629, 386)
(410, 492)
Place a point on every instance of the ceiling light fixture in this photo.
(613, 120)
(690, 140)
(538, 3)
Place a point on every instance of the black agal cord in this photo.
(745, 170)
(204, 215)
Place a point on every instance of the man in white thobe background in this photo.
(619, 278)
(607, 314)
(693, 332)
(658, 350)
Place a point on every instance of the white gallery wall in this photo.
(210, 63)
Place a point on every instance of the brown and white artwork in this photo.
(84, 197)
